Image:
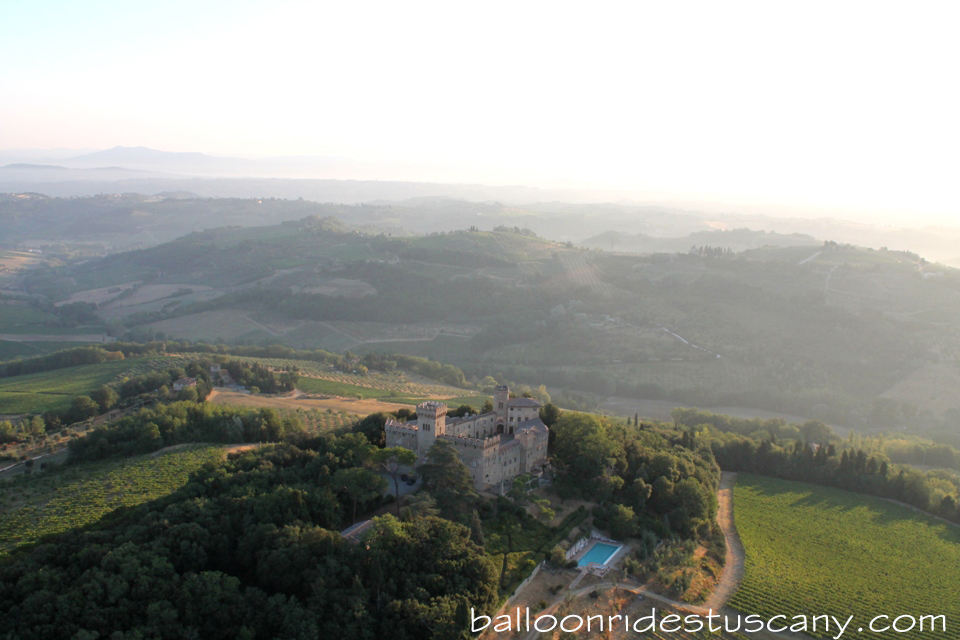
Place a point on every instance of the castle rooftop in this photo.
(523, 402)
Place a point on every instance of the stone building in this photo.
(495, 446)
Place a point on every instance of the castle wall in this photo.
(475, 453)
(400, 436)
(476, 440)
(476, 426)
(520, 414)
(536, 453)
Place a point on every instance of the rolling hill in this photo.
(818, 331)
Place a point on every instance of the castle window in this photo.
(501, 406)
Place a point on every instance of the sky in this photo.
(844, 105)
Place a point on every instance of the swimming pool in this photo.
(600, 553)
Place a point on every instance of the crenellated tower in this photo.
(431, 422)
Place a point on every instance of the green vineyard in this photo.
(820, 551)
(317, 421)
(38, 392)
(49, 502)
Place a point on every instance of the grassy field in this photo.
(816, 550)
(55, 501)
(10, 349)
(337, 388)
(37, 392)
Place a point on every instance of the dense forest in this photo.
(250, 549)
(812, 452)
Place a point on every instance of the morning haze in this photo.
(379, 319)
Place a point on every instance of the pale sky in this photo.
(835, 104)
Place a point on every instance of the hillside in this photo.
(34, 506)
(855, 336)
(735, 240)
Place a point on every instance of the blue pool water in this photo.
(600, 553)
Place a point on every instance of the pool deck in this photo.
(610, 548)
(600, 570)
(596, 568)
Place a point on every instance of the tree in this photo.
(488, 384)
(460, 411)
(550, 413)
(583, 449)
(420, 505)
(372, 428)
(7, 432)
(815, 432)
(623, 522)
(359, 484)
(447, 479)
(35, 426)
(393, 460)
(637, 493)
(105, 397)
(188, 394)
(547, 513)
(83, 407)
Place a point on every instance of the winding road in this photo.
(729, 580)
(733, 565)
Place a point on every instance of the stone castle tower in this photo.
(494, 446)
(431, 423)
(501, 397)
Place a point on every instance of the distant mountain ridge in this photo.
(138, 154)
(26, 165)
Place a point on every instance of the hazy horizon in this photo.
(340, 168)
(820, 109)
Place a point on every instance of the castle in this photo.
(495, 446)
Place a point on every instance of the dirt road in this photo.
(733, 566)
